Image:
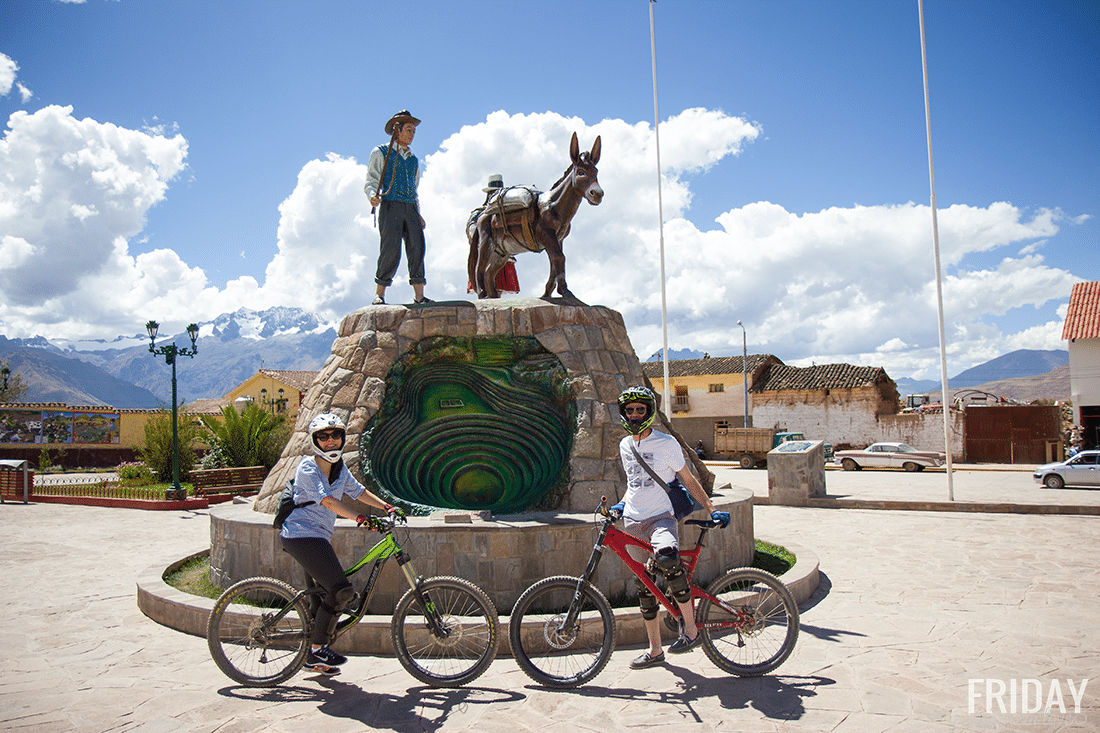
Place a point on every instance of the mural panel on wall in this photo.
(58, 426)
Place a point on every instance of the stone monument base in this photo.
(503, 555)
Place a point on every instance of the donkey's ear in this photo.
(595, 155)
(575, 149)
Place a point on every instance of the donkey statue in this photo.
(521, 219)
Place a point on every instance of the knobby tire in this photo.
(766, 639)
(243, 643)
(472, 633)
(567, 658)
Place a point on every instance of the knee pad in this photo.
(668, 562)
(646, 601)
(345, 594)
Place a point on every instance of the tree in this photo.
(156, 451)
(241, 436)
(12, 386)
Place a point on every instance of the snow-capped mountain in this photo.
(231, 348)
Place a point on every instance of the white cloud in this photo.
(8, 67)
(848, 284)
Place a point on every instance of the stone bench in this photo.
(228, 480)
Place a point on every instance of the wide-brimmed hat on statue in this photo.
(496, 182)
(399, 119)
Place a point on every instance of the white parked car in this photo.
(888, 455)
(1081, 470)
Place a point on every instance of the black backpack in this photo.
(287, 505)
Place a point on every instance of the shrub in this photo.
(135, 473)
(156, 451)
(214, 457)
(240, 436)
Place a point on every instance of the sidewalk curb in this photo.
(936, 506)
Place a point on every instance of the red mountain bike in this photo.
(562, 629)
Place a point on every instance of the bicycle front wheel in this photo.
(246, 639)
(550, 653)
(754, 629)
(462, 642)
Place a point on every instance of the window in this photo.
(717, 388)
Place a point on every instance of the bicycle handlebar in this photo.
(717, 519)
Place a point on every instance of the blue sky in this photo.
(213, 158)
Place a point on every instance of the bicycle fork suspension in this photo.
(570, 619)
(431, 615)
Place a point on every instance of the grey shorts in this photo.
(659, 531)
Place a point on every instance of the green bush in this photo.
(134, 474)
(214, 458)
(156, 451)
(241, 436)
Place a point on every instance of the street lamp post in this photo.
(170, 352)
(745, 368)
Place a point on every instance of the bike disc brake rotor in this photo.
(555, 637)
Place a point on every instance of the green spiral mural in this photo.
(477, 424)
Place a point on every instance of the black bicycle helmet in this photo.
(636, 425)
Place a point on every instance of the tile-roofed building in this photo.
(707, 390)
(840, 404)
(825, 376)
(1082, 331)
(1083, 315)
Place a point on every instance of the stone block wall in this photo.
(590, 341)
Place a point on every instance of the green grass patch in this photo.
(772, 558)
(194, 577)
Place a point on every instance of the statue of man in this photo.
(393, 175)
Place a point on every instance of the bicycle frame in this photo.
(618, 540)
(385, 549)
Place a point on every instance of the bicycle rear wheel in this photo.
(245, 640)
(551, 655)
(758, 630)
(471, 632)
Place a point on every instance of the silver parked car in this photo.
(888, 455)
(1081, 470)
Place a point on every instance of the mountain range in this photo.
(122, 373)
(234, 346)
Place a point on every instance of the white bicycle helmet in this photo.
(321, 423)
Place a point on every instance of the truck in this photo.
(750, 446)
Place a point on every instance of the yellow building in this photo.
(708, 391)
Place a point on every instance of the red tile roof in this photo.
(1083, 316)
(824, 376)
(711, 365)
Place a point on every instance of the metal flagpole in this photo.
(666, 400)
(939, 278)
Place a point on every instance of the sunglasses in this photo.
(636, 410)
(331, 435)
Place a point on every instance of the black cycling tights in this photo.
(319, 560)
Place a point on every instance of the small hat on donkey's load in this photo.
(399, 119)
(496, 182)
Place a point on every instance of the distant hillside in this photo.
(51, 377)
(1053, 386)
(1020, 363)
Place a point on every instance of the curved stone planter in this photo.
(371, 636)
(503, 556)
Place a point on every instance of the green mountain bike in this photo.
(445, 630)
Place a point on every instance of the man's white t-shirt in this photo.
(644, 497)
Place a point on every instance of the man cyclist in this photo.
(648, 515)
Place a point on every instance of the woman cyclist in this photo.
(319, 483)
